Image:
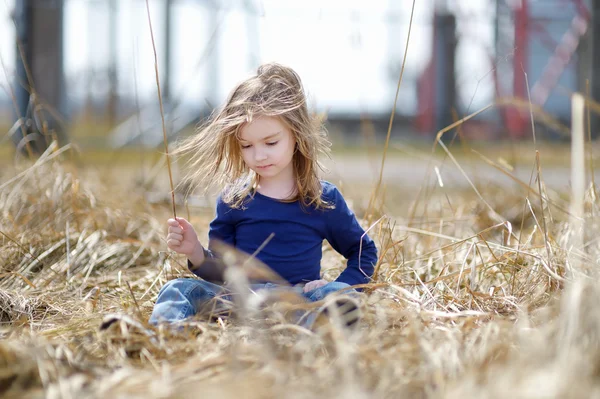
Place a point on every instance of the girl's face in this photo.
(267, 146)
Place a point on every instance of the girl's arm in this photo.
(348, 238)
(207, 265)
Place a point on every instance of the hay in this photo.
(462, 306)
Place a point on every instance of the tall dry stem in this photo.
(375, 194)
(162, 113)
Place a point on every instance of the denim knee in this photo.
(181, 298)
(329, 288)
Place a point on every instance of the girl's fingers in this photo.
(179, 225)
(183, 223)
(176, 230)
(173, 244)
(175, 236)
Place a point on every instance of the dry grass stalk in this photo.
(577, 171)
(162, 113)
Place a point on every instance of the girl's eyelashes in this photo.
(245, 146)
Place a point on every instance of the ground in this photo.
(481, 291)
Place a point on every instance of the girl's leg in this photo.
(181, 298)
(344, 308)
(329, 288)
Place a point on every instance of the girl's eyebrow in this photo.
(265, 138)
(271, 136)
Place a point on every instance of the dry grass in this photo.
(461, 305)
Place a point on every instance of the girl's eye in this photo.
(273, 143)
(245, 147)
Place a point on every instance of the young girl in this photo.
(262, 147)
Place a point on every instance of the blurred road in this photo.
(409, 172)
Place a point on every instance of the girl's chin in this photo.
(265, 172)
(266, 175)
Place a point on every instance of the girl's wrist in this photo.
(197, 257)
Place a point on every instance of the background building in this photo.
(92, 62)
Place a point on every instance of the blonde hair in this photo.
(214, 153)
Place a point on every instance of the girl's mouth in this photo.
(264, 167)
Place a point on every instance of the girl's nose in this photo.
(260, 155)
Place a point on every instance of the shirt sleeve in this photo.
(347, 237)
(222, 228)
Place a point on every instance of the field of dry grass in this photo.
(477, 294)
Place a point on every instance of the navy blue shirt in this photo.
(295, 250)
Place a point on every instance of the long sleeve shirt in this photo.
(295, 250)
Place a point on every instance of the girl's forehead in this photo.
(262, 127)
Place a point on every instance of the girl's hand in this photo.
(313, 285)
(182, 237)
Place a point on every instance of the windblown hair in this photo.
(214, 153)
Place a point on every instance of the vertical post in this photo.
(445, 71)
(40, 50)
(595, 62)
(22, 15)
(517, 119)
(502, 73)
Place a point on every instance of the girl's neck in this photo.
(277, 188)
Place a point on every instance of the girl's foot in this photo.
(343, 311)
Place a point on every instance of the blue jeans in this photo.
(184, 297)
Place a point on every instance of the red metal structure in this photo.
(539, 40)
(516, 120)
(546, 37)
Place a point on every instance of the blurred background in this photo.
(91, 65)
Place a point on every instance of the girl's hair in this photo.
(214, 153)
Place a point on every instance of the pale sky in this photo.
(348, 52)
